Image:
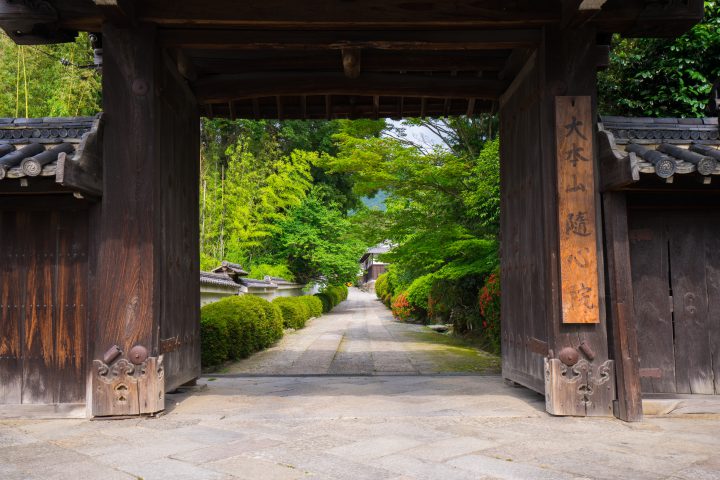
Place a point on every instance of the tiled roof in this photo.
(662, 147)
(681, 131)
(217, 279)
(251, 282)
(30, 147)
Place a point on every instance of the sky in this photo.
(418, 134)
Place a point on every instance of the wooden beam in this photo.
(433, 40)
(376, 106)
(32, 23)
(352, 62)
(373, 61)
(225, 88)
(618, 170)
(621, 308)
(332, 14)
(120, 12)
(470, 108)
(185, 65)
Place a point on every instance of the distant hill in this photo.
(377, 202)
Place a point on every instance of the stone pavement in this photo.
(376, 427)
(393, 424)
(360, 337)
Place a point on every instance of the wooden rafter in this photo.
(432, 40)
(225, 88)
(373, 61)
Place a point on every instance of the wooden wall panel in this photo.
(712, 265)
(653, 310)
(43, 343)
(523, 258)
(693, 366)
(12, 289)
(37, 234)
(178, 235)
(71, 308)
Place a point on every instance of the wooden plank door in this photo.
(676, 285)
(653, 310)
(687, 235)
(43, 291)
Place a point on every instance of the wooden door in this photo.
(676, 283)
(43, 298)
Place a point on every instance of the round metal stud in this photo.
(569, 356)
(138, 354)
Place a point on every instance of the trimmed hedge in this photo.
(237, 326)
(295, 312)
(314, 304)
(326, 300)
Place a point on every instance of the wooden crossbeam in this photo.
(121, 12)
(349, 14)
(372, 61)
(428, 40)
(222, 89)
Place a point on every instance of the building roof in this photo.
(217, 279)
(652, 150)
(376, 250)
(59, 155)
(254, 283)
(31, 147)
(235, 270)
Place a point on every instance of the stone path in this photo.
(393, 426)
(355, 428)
(360, 337)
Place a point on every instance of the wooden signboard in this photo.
(577, 213)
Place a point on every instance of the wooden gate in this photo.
(676, 283)
(43, 298)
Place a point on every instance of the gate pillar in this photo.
(554, 319)
(145, 271)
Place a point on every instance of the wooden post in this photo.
(566, 361)
(621, 308)
(145, 270)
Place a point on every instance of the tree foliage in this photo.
(664, 77)
(51, 80)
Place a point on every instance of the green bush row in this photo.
(237, 326)
(332, 296)
(298, 310)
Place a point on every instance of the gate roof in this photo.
(346, 59)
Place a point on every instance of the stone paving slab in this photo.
(389, 418)
(357, 428)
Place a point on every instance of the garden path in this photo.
(360, 337)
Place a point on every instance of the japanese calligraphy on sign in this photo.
(577, 213)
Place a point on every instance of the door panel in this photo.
(43, 292)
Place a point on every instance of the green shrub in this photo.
(327, 304)
(337, 293)
(270, 326)
(314, 304)
(213, 338)
(237, 326)
(294, 311)
(381, 286)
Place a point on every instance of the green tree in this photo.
(52, 80)
(664, 77)
(316, 241)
